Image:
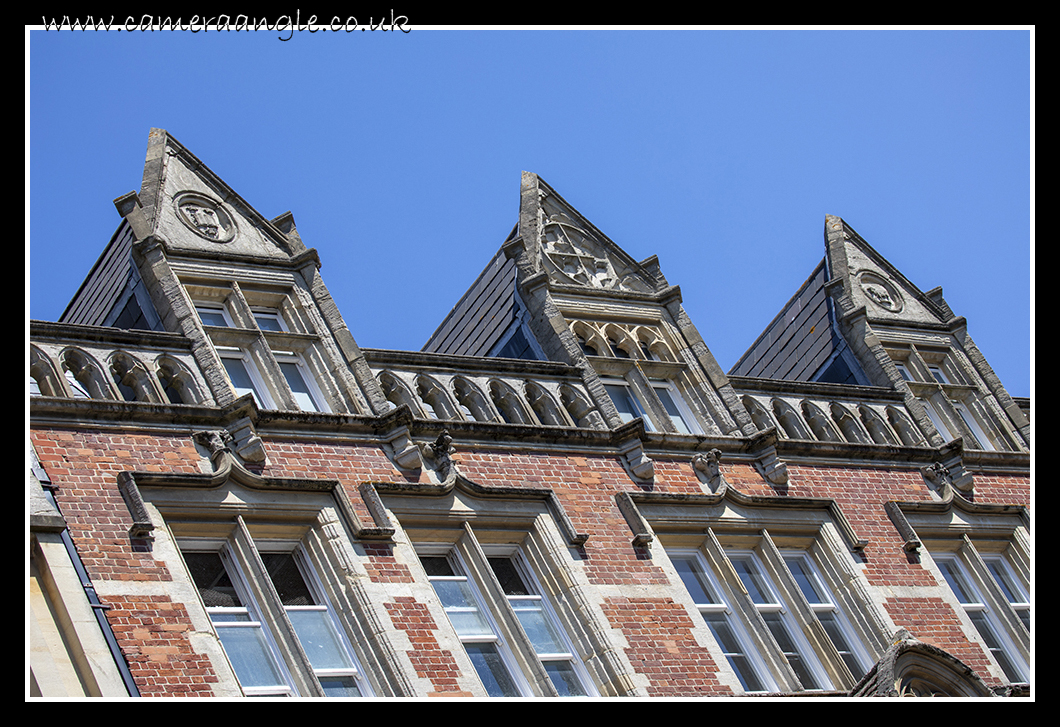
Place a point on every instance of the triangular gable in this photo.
(191, 209)
(571, 250)
(870, 281)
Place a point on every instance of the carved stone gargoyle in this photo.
(708, 468)
(440, 453)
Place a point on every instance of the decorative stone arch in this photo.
(621, 342)
(509, 403)
(177, 382)
(649, 342)
(397, 393)
(87, 373)
(911, 668)
(437, 398)
(877, 428)
(580, 408)
(132, 378)
(820, 426)
(903, 426)
(589, 338)
(471, 399)
(44, 371)
(848, 424)
(761, 418)
(548, 412)
(790, 421)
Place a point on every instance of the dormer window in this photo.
(629, 407)
(269, 320)
(214, 316)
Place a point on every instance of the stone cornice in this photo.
(46, 331)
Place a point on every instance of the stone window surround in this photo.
(478, 521)
(944, 530)
(235, 509)
(297, 342)
(943, 382)
(714, 525)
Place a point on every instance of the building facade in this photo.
(562, 494)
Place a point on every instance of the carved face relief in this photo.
(881, 292)
(205, 217)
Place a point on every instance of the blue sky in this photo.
(719, 151)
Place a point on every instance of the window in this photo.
(785, 605)
(983, 617)
(260, 352)
(244, 376)
(314, 621)
(463, 605)
(728, 632)
(954, 403)
(243, 622)
(989, 576)
(214, 316)
(533, 631)
(269, 319)
(535, 615)
(779, 592)
(237, 620)
(831, 617)
(270, 559)
(978, 437)
(629, 407)
(1011, 586)
(779, 619)
(306, 394)
(675, 406)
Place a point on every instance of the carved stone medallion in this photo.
(573, 257)
(205, 217)
(881, 292)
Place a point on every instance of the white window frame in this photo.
(818, 538)
(316, 396)
(720, 606)
(687, 418)
(1011, 586)
(495, 638)
(260, 391)
(778, 608)
(830, 610)
(258, 312)
(982, 440)
(631, 396)
(353, 670)
(255, 611)
(529, 578)
(212, 308)
(286, 687)
(982, 612)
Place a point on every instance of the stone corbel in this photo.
(406, 453)
(628, 438)
(638, 462)
(245, 440)
(767, 462)
(130, 207)
(901, 524)
(642, 535)
(948, 473)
